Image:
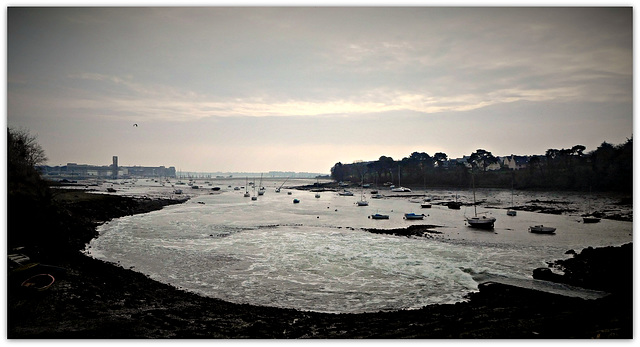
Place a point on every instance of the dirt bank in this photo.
(93, 299)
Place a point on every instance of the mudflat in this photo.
(93, 299)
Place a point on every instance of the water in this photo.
(315, 256)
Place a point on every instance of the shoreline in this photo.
(95, 299)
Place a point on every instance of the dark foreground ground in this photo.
(93, 299)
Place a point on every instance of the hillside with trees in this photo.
(607, 168)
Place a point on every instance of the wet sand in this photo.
(94, 299)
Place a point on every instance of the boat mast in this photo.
(473, 184)
(285, 181)
(512, 194)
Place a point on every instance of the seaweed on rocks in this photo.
(420, 230)
(608, 269)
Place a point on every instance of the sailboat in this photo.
(362, 201)
(587, 218)
(400, 188)
(483, 222)
(511, 212)
(426, 201)
(254, 197)
(318, 185)
(261, 190)
(246, 188)
(454, 205)
(278, 189)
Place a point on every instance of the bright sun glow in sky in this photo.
(302, 88)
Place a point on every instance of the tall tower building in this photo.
(115, 167)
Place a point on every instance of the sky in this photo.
(257, 89)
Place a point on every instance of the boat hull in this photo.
(539, 229)
(413, 216)
(481, 223)
(454, 205)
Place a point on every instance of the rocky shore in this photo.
(93, 299)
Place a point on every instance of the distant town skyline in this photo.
(258, 89)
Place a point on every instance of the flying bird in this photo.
(135, 125)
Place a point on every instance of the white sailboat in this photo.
(400, 188)
(278, 189)
(254, 197)
(246, 188)
(483, 222)
(363, 201)
(262, 189)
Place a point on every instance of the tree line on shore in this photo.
(607, 168)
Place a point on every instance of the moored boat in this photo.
(246, 189)
(379, 216)
(483, 222)
(541, 229)
(454, 205)
(278, 189)
(590, 219)
(363, 201)
(413, 216)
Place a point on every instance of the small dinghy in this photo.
(590, 219)
(541, 229)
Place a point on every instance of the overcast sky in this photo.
(300, 89)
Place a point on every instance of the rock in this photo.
(545, 274)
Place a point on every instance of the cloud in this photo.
(362, 71)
